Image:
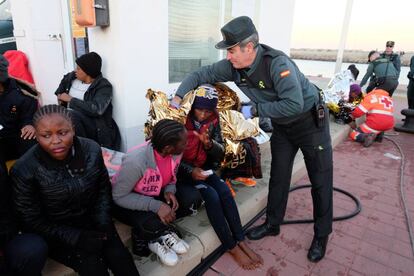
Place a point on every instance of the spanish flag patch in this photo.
(285, 73)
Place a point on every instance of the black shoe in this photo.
(369, 139)
(139, 246)
(380, 137)
(263, 230)
(317, 250)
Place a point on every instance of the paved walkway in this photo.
(376, 242)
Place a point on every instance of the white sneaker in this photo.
(174, 242)
(164, 253)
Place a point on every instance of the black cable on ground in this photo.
(213, 257)
(402, 193)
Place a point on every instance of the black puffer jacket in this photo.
(96, 104)
(59, 199)
(8, 227)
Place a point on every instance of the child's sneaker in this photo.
(245, 181)
(164, 253)
(174, 242)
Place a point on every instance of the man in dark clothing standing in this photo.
(280, 91)
(391, 56)
(410, 87)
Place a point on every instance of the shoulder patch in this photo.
(285, 73)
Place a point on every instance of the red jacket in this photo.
(194, 153)
(379, 108)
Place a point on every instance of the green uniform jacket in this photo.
(395, 59)
(289, 95)
(381, 67)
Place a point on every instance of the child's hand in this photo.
(166, 214)
(204, 138)
(198, 174)
(170, 198)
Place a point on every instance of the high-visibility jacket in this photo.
(379, 108)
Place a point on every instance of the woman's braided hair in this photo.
(166, 133)
(51, 109)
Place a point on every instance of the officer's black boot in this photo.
(317, 250)
(263, 230)
(369, 139)
(379, 137)
(139, 246)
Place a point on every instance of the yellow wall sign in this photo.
(77, 31)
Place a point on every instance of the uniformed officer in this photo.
(280, 91)
(410, 87)
(16, 113)
(391, 56)
(383, 73)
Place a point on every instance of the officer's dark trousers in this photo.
(315, 144)
(388, 84)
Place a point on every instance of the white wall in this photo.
(42, 31)
(276, 22)
(134, 49)
(135, 52)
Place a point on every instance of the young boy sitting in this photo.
(203, 153)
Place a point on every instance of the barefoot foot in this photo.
(256, 258)
(241, 258)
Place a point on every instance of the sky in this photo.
(318, 24)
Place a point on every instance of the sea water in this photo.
(326, 69)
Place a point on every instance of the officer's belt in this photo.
(292, 119)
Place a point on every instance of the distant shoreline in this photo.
(350, 56)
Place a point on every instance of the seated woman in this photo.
(17, 133)
(20, 254)
(202, 154)
(62, 192)
(144, 192)
(88, 95)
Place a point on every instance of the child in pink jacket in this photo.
(144, 192)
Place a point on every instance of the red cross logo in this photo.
(386, 102)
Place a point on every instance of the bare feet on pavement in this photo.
(241, 258)
(256, 258)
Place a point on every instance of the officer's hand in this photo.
(166, 214)
(175, 102)
(198, 174)
(28, 132)
(247, 111)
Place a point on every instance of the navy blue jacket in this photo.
(16, 109)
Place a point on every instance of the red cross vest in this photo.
(379, 108)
